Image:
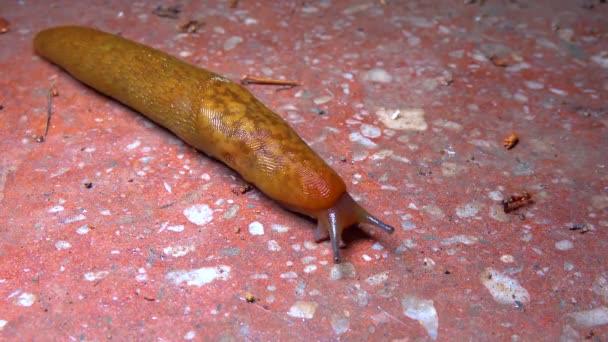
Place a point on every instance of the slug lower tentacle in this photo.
(216, 116)
(343, 214)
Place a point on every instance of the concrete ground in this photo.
(111, 228)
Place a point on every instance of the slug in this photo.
(214, 115)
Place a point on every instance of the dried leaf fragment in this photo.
(241, 189)
(249, 297)
(5, 26)
(517, 201)
(499, 61)
(581, 227)
(510, 141)
(191, 26)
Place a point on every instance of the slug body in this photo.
(216, 116)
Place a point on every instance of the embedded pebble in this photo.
(231, 213)
(273, 246)
(599, 202)
(358, 138)
(178, 251)
(190, 335)
(408, 119)
(199, 214)
(408, 225)
(370, 131)
(340, 323)
(464, 239)
(178, 228)
(341, 271)
(94, 276)
(600, 287)
(377, 246)
(377, 75)
(25, 299)
(420, 21)
(310, 245)
(256, 228)
(504, 290)
(309, 9)
(434, 211)
(591, 318)
(497, 213)
(601, 59)
(83, 230)
(381, 155)
(449, 169)
(303, 310)
(451, 125)
(377, 279)
(250, 21)
(558, 91)
(279, 228)
(134, 145)
(199, 277)
(289, 275)
(422, 310)
(310, 268)
(141, 276)
(359, 295)
(61, 245)
(409, 243)
(322, 99)
(507, 258)
(232, 42)
(468, 210)
(56, 209)
(564, 245)
(534, 85)
(74, 219)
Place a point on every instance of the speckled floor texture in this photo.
(113, 229)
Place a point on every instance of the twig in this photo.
(49, 112)
(171, 12)
(391, 316)
(268, 81)
(270, 312)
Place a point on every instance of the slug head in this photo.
(345, 213)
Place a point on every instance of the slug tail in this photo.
(345, 213)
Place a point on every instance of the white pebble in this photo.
(256, 228)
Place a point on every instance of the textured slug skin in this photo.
(213, 114)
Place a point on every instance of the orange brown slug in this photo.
(216, 116)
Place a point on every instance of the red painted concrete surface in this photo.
(113, 229)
